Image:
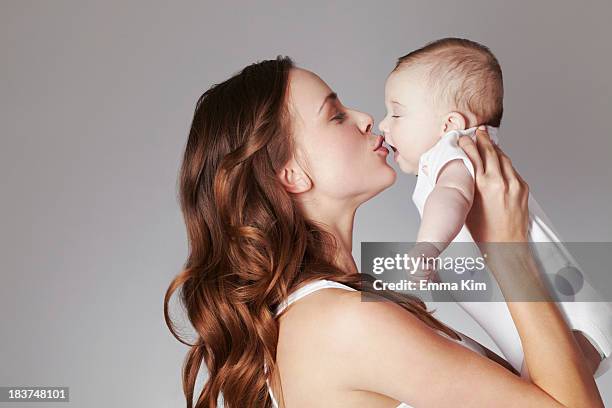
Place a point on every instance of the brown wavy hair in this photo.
(249, 242)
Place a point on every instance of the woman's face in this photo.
(335, 143)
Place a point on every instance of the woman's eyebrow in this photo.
(397, 103)
(332, 96)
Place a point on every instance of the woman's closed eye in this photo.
(340, 116)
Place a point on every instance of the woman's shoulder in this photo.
(340, 335)
(343, 316)
(328, 303)
(305, 329)
(322, 333)
(312, 314)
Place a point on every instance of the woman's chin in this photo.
(387, 179)
(393, 176)
(378, 182)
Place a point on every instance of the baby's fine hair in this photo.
(464, 74)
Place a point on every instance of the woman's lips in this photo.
(382, 151)
(379, 148)
(378, 143)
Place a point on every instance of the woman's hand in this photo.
(499, 212)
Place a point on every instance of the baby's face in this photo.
(413, 124)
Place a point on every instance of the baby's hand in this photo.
(423, 273)
(424, 252)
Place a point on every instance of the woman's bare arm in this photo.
(383, 348)
(403, 358)
(499, 223)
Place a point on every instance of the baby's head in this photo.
(448, 84)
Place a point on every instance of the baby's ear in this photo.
(454, 121)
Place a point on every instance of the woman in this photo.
(273, 172)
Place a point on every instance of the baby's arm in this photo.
(447, 205)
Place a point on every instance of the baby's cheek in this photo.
(406, 146)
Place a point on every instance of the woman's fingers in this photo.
(509, 165)
(469, 147)
(504, 164)
(514, 181)
(487, 151)
(500, 210)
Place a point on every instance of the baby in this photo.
(449, 85)
(433, 96)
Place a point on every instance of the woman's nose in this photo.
(366, 122)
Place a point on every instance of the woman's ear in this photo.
(293, 178)
(454, 121)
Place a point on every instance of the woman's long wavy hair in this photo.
(249, 242)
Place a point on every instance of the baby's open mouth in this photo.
(390, 145)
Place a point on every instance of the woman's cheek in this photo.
(341, 155)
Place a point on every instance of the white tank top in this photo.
(323, 284)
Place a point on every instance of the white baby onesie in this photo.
(593, 319)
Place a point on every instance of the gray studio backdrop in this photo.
(95, 103)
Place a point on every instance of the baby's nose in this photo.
(382, 127)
